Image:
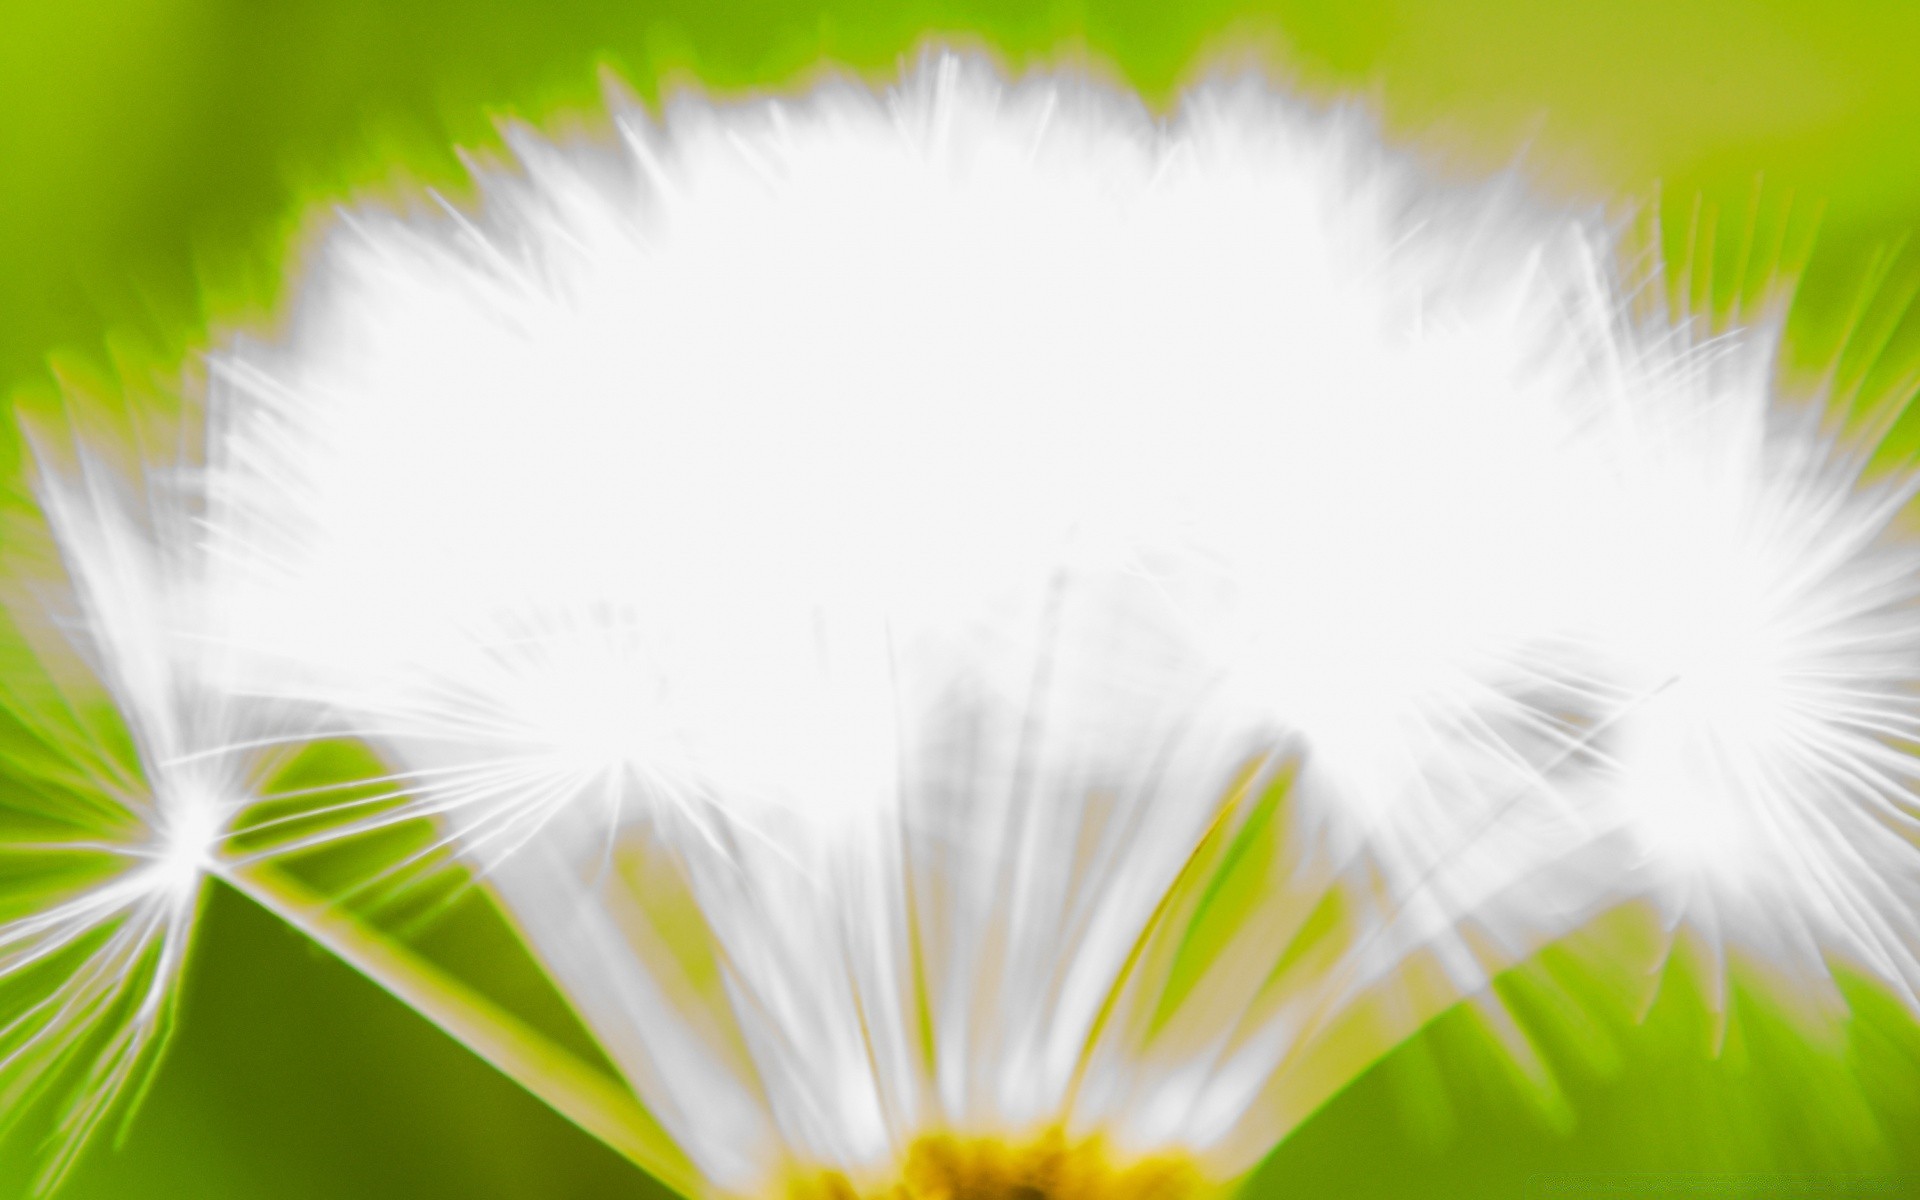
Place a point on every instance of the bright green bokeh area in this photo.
(156, 154)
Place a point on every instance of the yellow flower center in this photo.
(1048, 1167)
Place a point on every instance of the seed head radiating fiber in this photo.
(121, 788)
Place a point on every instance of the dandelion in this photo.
(989, 644)
(937, 617)
(1762, 640)
(115, 808)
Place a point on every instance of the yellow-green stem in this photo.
(576, 1091)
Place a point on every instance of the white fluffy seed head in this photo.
(1761, 636)
(897, 521)
(120, 792)
(668, 451)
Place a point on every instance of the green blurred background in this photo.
(156, 157)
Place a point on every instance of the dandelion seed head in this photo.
(865, 575)
(876, 365)
(910, 532)
(1764, 627)
(112, 730)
